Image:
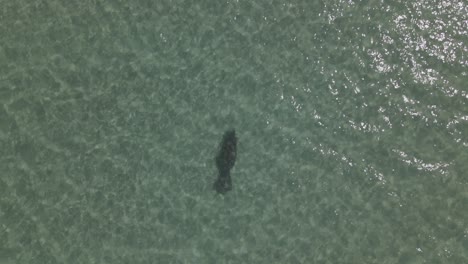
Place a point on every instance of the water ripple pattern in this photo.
(351, 118)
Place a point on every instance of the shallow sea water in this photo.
(351, 117)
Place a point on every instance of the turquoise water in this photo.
(351, 117)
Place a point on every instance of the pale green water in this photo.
(352, 120)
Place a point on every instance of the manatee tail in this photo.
(223, 184)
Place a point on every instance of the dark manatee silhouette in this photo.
(225, 161)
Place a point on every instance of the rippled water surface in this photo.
(351, 117)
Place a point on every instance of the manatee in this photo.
(225, 160)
